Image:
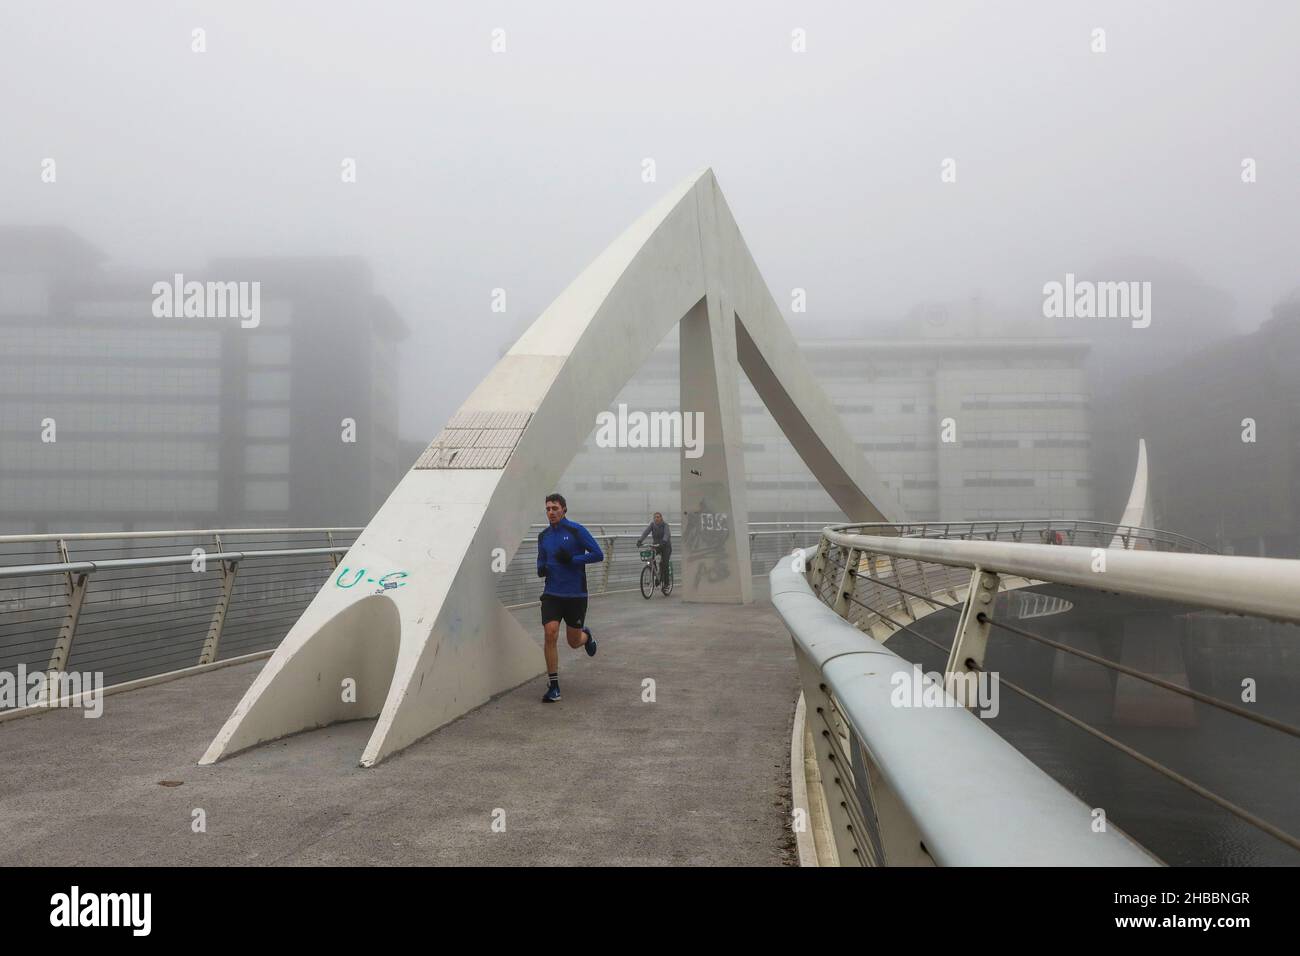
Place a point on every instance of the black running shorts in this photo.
(570, 610)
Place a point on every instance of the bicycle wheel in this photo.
(647, 582)
(668, 578)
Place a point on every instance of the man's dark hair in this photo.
(556, 496)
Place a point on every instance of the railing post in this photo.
(819, 567)
(334, 558)
(848, 581)
(212, 642)
(925, 582)
(609, 560)
(216, 626)
(966, 659)
(62, 650)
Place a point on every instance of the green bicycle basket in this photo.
(646, 555)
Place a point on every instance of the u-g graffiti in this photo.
(388, 582)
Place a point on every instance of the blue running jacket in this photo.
(566, 580)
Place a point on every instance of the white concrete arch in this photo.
(429, 549)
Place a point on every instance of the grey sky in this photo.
(478, 170)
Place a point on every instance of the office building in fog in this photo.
(113, 417)
(1017, 412)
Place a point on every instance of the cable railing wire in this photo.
(1149, 678)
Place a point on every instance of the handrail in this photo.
(1262, 587)
(1004, 528)
(121, 564)
(55, 537)
(135, 535)
(991, 806)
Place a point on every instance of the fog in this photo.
(478, 170)
(1013, 240)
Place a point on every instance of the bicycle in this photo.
(655, 574)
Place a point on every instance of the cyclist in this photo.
(658, 532)
(564, 549)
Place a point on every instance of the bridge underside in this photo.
(699, 776)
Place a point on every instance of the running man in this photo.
(564, 549)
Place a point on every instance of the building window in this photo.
(268, 386)
(269, 348)
(267, 423)
(266, 496)
(266, 459)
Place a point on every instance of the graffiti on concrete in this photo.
(705, 536)
(387, 582)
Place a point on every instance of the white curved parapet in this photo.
(411, 618)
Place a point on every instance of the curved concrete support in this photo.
(306, 684)
(429, 549)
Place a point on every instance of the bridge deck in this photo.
(700, 776)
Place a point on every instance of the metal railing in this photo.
(874, 757)
(135, 605)
(1090, 534)
(621, 569)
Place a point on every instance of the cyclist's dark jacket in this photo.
(659, 533)
(566, 580)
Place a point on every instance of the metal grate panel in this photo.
(489, 420)
(483, 440)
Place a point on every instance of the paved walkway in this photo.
(701, 776)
